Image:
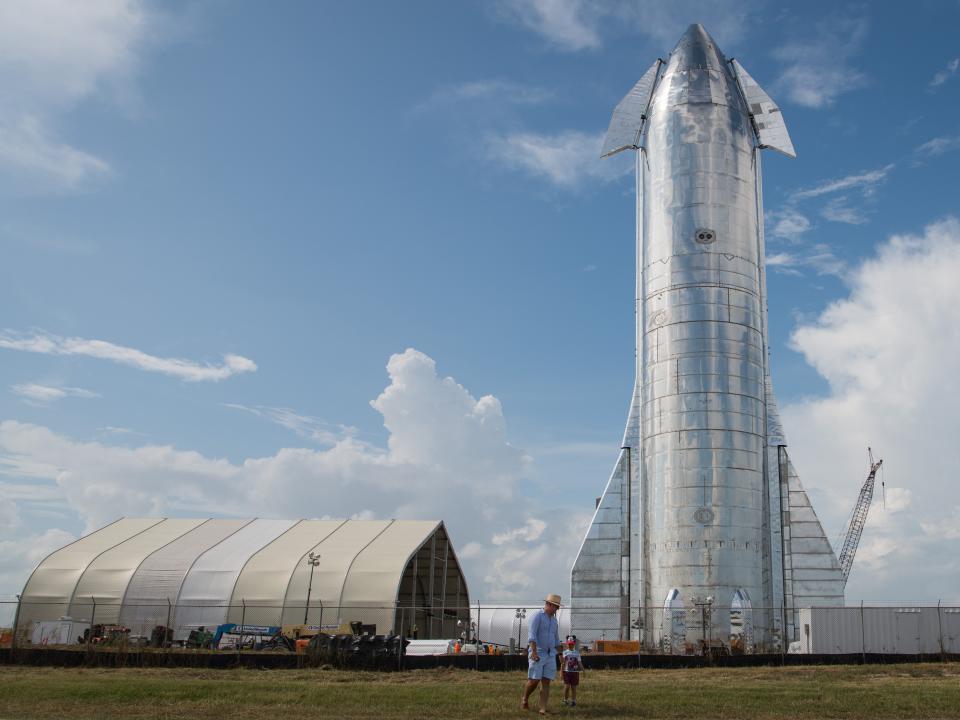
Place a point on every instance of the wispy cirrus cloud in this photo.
(49, 344)
(942, 76)
(567, 24)
(38, 394)
(938, 146)
(566, 159)
(493, 90)
(577, 25)
(819, 69)
(866, 182)
(305, 426)
(840, 210)
(819, 258)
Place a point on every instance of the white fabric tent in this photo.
(138, 572)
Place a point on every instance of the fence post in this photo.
(863, 637)
(16, 623)
(784, 637)
(167, 630)
(940, 627)
(243, 622)
(403, 615)
(93, 615)
(476, 637)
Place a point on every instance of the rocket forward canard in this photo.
(703, 507)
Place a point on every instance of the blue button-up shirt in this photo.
(545, 632)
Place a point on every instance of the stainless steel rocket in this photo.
(703, 531)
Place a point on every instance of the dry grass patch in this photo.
(872, 692)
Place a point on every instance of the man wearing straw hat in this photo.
(544, 641)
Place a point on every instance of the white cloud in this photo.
(943, 75)
(938, 146)
(581, 24)
(839, 210)
(888, 352)
(819, 258)
(818, 70)
(529, 532)
(489, 91)
(20, 553)
(566, 159)
(44, 394)
(788, 224)
(305, 426)
(31, 154)
(866, 182)
(49, 344)
(55, 54)
(447, 457)
(9, 514)
(569, 24)
(946, 528)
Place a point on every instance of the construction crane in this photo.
(858, 519)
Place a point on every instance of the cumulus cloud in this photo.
(188, 370)
(530, 531)
(55, 54)
(447, 457)
(575, 25)
(566, 159)
(37, 394)
(888, 352)
(818, 70)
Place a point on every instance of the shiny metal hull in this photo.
(691, 524)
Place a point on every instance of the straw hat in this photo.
(553, 600)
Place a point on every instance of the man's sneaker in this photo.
(573, 703)
(564, 702)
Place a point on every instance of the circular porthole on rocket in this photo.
(705, 236)
(703, 515)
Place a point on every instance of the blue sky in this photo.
(311, 188)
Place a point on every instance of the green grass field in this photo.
(892, 691)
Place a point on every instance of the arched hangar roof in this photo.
(143, 572)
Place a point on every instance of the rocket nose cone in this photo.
(697, 49)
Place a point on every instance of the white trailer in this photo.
(898, 630)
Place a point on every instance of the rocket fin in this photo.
(817, 578)
(767, 118)
(596, 578)
(626, 125)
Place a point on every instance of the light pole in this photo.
(705, 606)
(312, 560)
(520, 615)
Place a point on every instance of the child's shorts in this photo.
(571, 678)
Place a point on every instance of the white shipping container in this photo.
(898, 630)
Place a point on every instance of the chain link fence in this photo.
(704, 629)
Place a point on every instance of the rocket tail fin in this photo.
(811, 562)
(626, 125)
(767, 119)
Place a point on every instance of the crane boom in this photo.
(858, 519)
